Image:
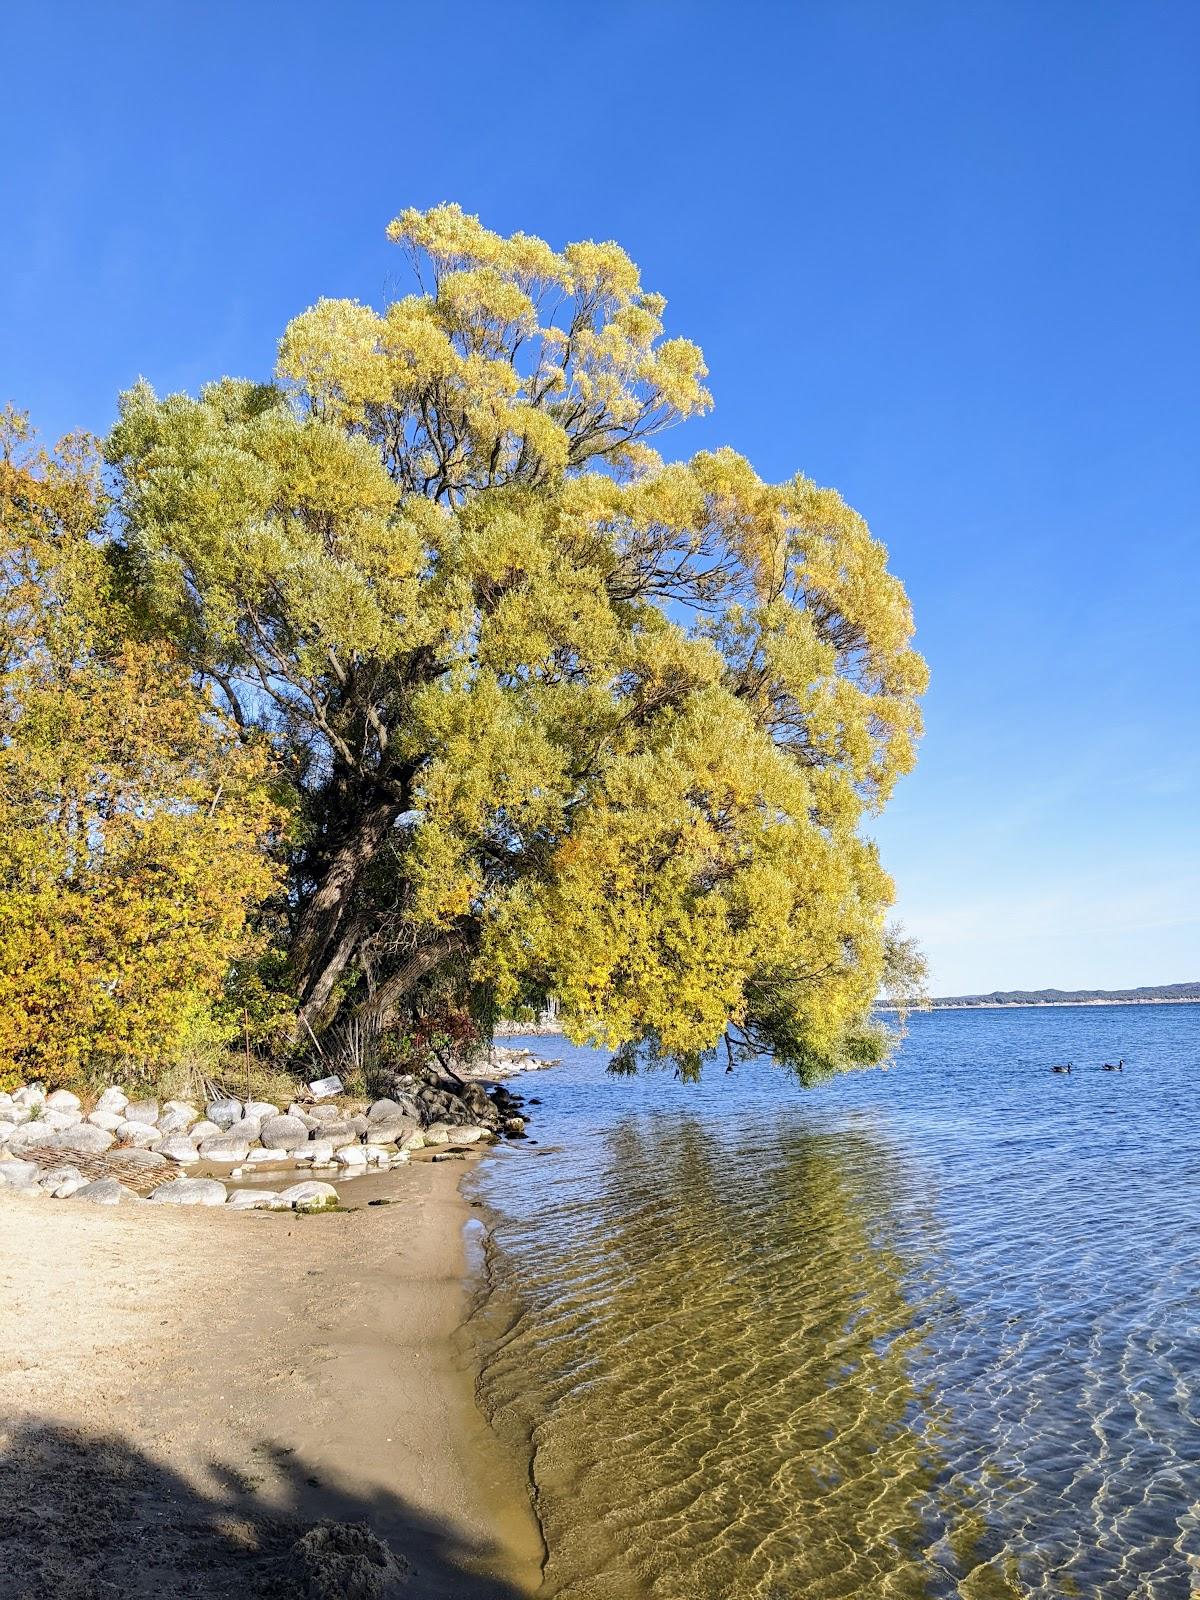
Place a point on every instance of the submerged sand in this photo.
(183, 1392)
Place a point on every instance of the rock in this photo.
(29, 1095)
(190, 1192)
(28, 1136)
(320, 1152)
(437, 1133)
(343, 1561)
(178, 1149)
(257, 1154)
(224, 1150)
(204, 1129)
(15, 1174)
(63, 1100)
(177, 1121)
(247, 1128)
(254, 1200)
(70, 1186)
(391, 1130)
(6, 1131)
(110, 1121)
(283, 1133)
(352, 1155)
(223, 1112)
(58, 1120)
(322, 1088)
(85, 1140)
(139, 1134)
(262, 1109)
(514, 1127)
(339, 1134)
(474, 1097)
(382, 1109)
(323, 1113)
(310, 1196)
(113, 1099)
(51, 1178)
(105, 1192)
(183, 1108)
(144, 1160)
(450, 1155)
(303, 1112)
(468, 1134)
(414, 1141)
(142, 1111)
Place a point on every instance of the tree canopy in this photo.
(135, 827)
(558, 717)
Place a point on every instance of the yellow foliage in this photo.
(132, 821)
(576, 720)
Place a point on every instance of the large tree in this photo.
(564, 718)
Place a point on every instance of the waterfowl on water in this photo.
(1065, 1067)
(1115, 1066)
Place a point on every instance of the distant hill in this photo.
(1159, 994)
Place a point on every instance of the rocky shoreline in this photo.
(123, 1149)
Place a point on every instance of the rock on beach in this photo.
(105, 1192)
(190, 1192)
(283, 1133)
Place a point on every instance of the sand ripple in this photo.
(860, 1346)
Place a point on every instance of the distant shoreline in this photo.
(552, 1030)
(1046, 1005)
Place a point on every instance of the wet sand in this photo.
(184, 1391)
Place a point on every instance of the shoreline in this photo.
(186, 1392)
(1049, 1005)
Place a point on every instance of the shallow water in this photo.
(927, 1332)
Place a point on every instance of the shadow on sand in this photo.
(87, 1516)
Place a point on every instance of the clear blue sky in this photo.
(943, 256)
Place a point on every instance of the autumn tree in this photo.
(136, 829)
(562, 718)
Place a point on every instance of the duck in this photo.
(1065, 1067)
(1115, 1066)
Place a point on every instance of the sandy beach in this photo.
(185, 1392)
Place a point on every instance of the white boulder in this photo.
(178, 1149)
(142, 1111)
(189, 1192)
(63, 1100)
(104, 1192)
(310, 1194)
(283, 1133)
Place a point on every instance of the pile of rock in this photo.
(504, 1061)
(48, 1141)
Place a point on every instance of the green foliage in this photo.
(561, 718)
(133, 823)
(553, 716)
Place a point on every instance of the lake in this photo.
(922, 1332)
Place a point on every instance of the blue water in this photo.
(922, 1332)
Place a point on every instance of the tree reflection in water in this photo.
(716, 1358)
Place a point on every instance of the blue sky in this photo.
(943, 256)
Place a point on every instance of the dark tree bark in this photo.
(387, 999)
(329, 928)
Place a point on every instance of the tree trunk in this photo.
(386, 1000)
(328, 931)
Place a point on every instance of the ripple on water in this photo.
(920, 1334)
